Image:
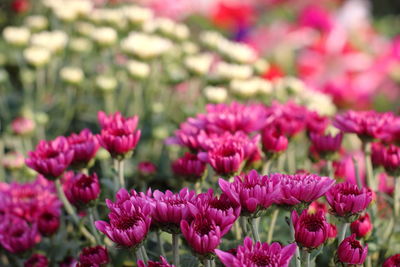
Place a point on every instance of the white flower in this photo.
(104, 36)
(189, 48)
(106, 83)
(233, 71)
(211, 39)
(65, 13)
(181, 32)
(114, 17)
(18, 36)
(36, 22)
(199, 64)
(37, 56)
(82, 7)
(137, 15)
(72, 75)
(80, 45)
(145, 46)
(240, 53)
(137, 69)
(84, 28)
(245, 88)
(54, 41)
(317, 101)
(261, 66)
(215, 94)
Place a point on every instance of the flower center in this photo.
(260, 259)
(355, 244)
(126, 223)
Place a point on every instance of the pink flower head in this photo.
(162, 263)
(346, 199)
(81, 189)
(316, 123)
(392, 261)
(273, 141)
(392, 131)
(326, 145)
(16, 236)
(23, 126)
(119, 135)
(311, 230)
(315, 16)
(147, 168)
(93, 256)
(390, 159)
(351, 251)
(170, 209)
(37, 260)
(258, 254)
(362, 227)
(202, 234)
(48, 221)
(226, 158)
(51, 158)
(84, 145)
(332, 232)
(301, 188)
(252, 191)
(189, 167)
(367, 125)
(129, 222)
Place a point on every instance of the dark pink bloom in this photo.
(81, 189)
(315, 16)
(48, 221)
(226, 158)
(189, 167)
(16, 236)
(170, 209)
(332, 232)
(326, 145)
(51, 158)
(119, 135)
(273, 141)
(93, 256)
(362, 227)
(23, 126)
(351, 251)
(301, 188)
(366, 124)
(202, 234)
(311, 230)
(68, 262)
(252, 191)
(258, 254)
(37, 260)
(390, 159)
(392, 261)
(386, 183)
(129, 221)
(146, 168)
(377, 153)
(346, 199)
(162, 263)
(316, 123)
(84, 145)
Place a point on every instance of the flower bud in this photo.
(362, 227)
(351, 251)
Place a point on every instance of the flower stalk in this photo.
(254, 228)
(342, 232)
(297, 254)
(272, 225)
(175, 249)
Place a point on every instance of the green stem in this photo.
(368, 166)
(175, 249)
(70, 210)
(160, 243)
(94, 230)
(342, 232)
(207, 263)
(121, 173)
(291, 159)
(144, 253)
(138, 253)
(297, 256)
(329, 166)
(243, 224)
(357, 172)
(272, 225)
(266, 167)
(305, 258)
(254, 228)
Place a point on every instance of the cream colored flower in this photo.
(80, 45)
(104, 36)
(137, 69)
(229, 71)
(261, 66)
(65, 13)
(37, 56)
(215, 94)
(106, 83)
(36, 22)
(54, 41)
(199, 64)
(237, 52)
(84, 28)
(245, 88)
(145, 46)
(17, 36)
(211, 39)
(72, 75)
(189, 48)
(137, 15)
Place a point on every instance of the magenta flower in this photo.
(346, 199)
(81, 189)
(189, 167)
(367, 125)
(48, 221)
(273, 141)
(390, 159)
(351, 251)
(258, 254)
(162, 263)
(146, 168)
(16, 236)
(252, 191)
(170, 209)
(301, 188)
(84, 145)
(311, 230)
(202, 234)
(326, 145)
(51, 158)
(119, 135)
(332, 232)
(226, 158)
(37, 260)
(362, 227)
(93, 256)
(129, 222)
(23, 126)
(392, 261)
(316, 123)
(314, 16)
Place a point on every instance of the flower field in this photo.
(199, 133)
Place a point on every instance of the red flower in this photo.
(392, 261)
(37, 260)
(233, 15)
(20, 6)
